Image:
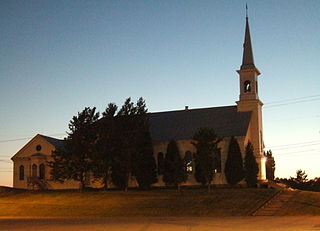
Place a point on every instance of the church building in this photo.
(242, 121)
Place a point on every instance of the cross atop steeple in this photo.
(246, 10)
(247, 59)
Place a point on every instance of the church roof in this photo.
(182, 125)
(55, 142)
(247, 58)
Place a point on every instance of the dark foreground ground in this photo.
(160, 203)
(163, 223)
(154, 203)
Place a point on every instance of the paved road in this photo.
(163, 224)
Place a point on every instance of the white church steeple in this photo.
(249, 100)
(248, 72)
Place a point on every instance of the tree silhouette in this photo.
(74, 161)
(250, 166)
(207, 156)
(174, 170)
(234, 165)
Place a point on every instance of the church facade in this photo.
(242, 121)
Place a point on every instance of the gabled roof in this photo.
(182, 125)
(55, 142)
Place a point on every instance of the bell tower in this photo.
(249, 101)
(248, 71)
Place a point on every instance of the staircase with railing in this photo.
(35, 183)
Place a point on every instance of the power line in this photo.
(292, 99)
(300, 151)
(296, 145)
(297, 118)
(28, 138)
(268, 105)
(298, 155)
(295, 102)
(25, 138)
(301, 146)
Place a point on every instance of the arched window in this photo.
(34, 170)
(188, 161)
(41, 171)
(160, 163)
(21, 172)
(247, 86)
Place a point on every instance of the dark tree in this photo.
(110, 111)
(145, 171)
(144, 166)
(234, 165)
(270, 165)
(105, 146)
(119, 145)
(174, 170)
(207, 156)
(126, 149)
(301, 176)
(75, 160)
(134, 147)
(119, 171)
(250, 166)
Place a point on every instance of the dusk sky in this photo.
(57, 57)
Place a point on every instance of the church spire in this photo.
(247, 59)
(248, 71)
(249, 101)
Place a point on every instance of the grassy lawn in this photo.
(159, 202)
(302, 203)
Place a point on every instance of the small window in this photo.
(38, 147)
(188, 161)
(160, 163)
(34, 170)
(41, 171)
(247, 86)
(21, 172)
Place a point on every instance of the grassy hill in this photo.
(159, 202)
(302, 203)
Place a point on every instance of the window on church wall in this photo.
(21, 172)
(160, 158)
(188, 161)
(257, 87)
(38, 147)
(34, 170)
(42, 171)
(247, 86)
